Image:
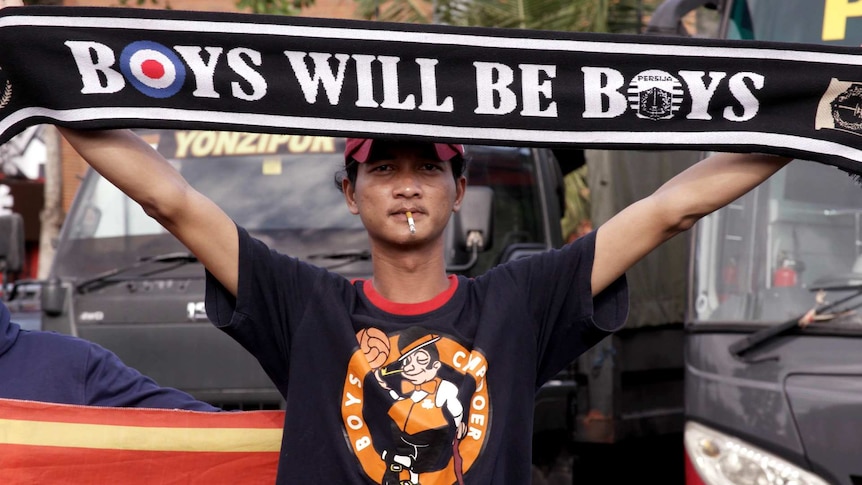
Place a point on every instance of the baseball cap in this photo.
(359, 149)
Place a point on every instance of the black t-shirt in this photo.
(433, 392)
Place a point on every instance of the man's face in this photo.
(419, 368)
(401, 178)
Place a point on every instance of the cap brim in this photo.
(360, 149)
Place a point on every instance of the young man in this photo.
(369, 368)
(51, 367)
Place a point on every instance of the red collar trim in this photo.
(410, 308)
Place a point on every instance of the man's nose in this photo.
(407, 186)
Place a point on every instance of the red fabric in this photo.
(54, 443)
(410, 308)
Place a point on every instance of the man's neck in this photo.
(409, 277)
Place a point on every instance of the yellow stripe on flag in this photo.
(138, 438)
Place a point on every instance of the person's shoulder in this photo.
(587, 242)
(581, 249)
(583, 246)
(53, 339)
(253, 247)
(53, 349)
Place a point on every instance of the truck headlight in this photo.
(721, 459)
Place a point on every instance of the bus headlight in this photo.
(721, 459)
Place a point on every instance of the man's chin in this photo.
(407, 242)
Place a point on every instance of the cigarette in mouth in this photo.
(411, 223)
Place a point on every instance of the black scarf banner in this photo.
(117, 67)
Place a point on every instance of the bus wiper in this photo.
(108, 277)
(820, 312)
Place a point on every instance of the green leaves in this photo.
(562, 15)
(274, 7)
(567, 15)
(412, 11)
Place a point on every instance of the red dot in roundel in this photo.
(153, 69)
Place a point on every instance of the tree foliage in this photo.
(619, 16)
(274, 7)
(271, 7)
(565, 15)
(411, 11)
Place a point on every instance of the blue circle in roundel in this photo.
(152, 68)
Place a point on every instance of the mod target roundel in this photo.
(152, 68)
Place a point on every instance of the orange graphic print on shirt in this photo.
(415, 407)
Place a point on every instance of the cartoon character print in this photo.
(404, 412)
(419, 424)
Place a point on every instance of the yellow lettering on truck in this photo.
(835, 15)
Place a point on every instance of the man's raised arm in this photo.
(137, 169)
(701, 189)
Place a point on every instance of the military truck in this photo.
(121, 280)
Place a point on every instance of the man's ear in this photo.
(460, 190)
(349, 195)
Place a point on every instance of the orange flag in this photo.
(46, 444)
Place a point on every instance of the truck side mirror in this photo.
(53, 297)
(11, 244)
(473, 225)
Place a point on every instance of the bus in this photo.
(773, 336)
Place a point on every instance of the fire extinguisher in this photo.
(729, 280)
(730, 275)
(786, 274)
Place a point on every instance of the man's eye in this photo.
(432, 166)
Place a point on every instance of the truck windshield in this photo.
(761, 259)
(281, 189)
(253, 190)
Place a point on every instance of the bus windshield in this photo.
(762, 259)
